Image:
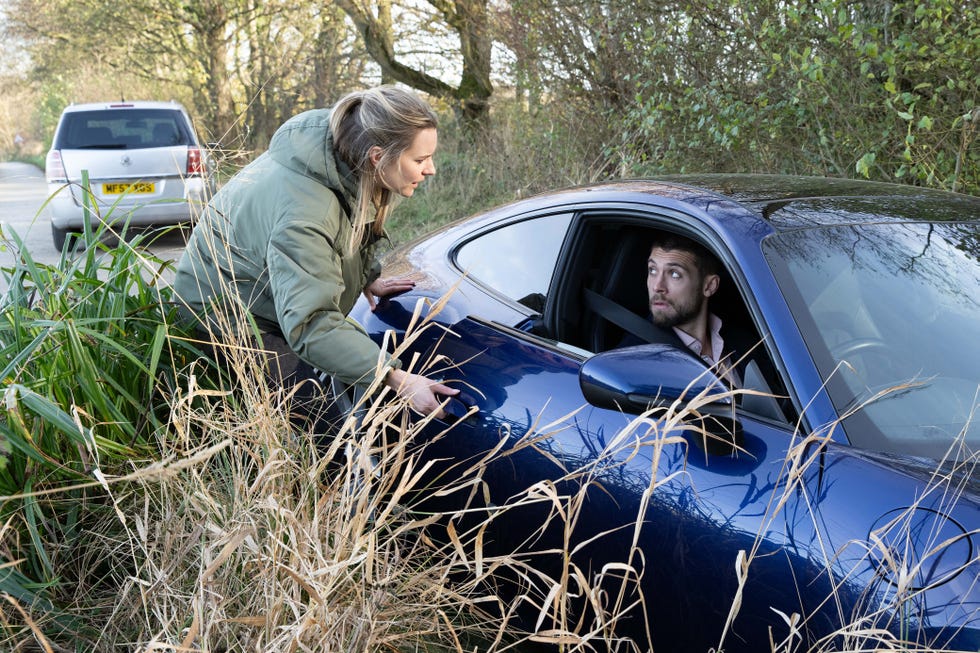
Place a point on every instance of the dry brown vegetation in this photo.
(248, 536)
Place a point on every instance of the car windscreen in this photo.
(123, 129)
(889, 312)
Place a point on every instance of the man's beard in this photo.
(681, 314)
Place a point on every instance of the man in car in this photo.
(682, 276)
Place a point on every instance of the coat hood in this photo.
(304, 144)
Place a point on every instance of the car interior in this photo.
(164, 134)
(95, 137)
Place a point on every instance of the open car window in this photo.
(608, 260)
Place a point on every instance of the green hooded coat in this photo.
(275, 236)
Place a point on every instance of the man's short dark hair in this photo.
(705, 260)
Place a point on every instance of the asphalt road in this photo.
(23, 192)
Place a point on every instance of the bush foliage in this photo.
(585, 90)
(887, 91)
(88, 358)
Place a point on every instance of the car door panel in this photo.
(705, 508)
(706, 513)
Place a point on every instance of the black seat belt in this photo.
(629, 321)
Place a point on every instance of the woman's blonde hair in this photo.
(389, 118)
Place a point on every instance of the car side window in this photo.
(612, 306)
(518, 259)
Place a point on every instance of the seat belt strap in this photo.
(629, 321)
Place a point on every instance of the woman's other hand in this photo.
(422, 392)
(381, 288)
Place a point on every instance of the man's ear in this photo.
(374, 155)
(711, 283)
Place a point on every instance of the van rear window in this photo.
(123, 129)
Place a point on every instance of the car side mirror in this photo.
(635, 379)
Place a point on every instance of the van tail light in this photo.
(54, 168)
(195, 162)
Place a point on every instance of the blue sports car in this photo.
(823, 496)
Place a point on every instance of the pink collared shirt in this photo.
(719, 363)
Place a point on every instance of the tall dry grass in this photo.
(246, 535)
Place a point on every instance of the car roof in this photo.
(750, 205)
(796, 201)
(791, 202)
(124, 104)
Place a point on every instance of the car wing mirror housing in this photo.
(636, 379)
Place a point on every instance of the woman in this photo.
(291, 238)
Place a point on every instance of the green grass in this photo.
(522, 156)
(85, 350)
(35, 160)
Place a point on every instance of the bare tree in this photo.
(296, 57)
(467, 20)
(246, 65)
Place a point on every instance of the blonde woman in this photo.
(291, 238)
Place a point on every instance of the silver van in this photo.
(145, 166)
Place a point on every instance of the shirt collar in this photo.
(724, 368)
(694, 344)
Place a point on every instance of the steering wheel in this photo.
(871, 359)
(861, 347)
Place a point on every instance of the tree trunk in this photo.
(469, 19)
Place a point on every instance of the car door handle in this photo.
(457, 411)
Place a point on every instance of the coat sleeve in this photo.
(307, 282)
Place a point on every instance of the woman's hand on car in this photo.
(381, 288)
(424, 394)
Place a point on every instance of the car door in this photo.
(704, 512)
